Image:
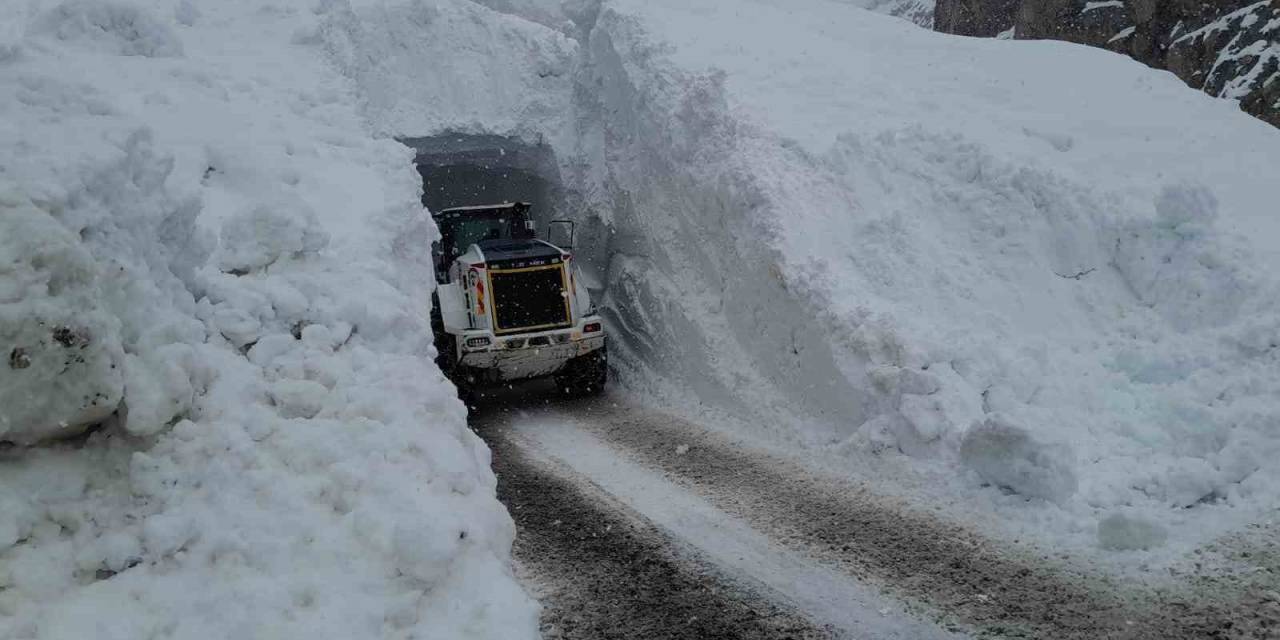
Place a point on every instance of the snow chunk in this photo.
(113, 550)
(1188, 209)
(1121, 532)
(1007, 456)
(62, 371)
(1176, 263)
(264, 234)
(266, 350)
(165, 534)
(109, 27)
(425, 549)
(298, 398)
(158, 388)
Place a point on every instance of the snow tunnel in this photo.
(691, 307)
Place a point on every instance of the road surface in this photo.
(633, 523)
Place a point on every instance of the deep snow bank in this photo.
(205, 255)
(929, 246)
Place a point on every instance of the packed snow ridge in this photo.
(221, 415)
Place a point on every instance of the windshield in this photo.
(460, 233)
(468, 232)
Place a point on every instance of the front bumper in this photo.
(530, 355)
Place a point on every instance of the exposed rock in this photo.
(1227, 48)
(982, 18)
(1233, 56)
(917, 11)
(1096, 23)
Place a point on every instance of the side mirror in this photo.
(561, 233)
(530, 226)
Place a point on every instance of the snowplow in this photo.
(510, 306)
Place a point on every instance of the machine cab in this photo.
(461, 227)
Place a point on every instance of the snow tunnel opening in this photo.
(460, 169)
(470, 169)
(466, 169)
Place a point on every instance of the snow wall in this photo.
(219, 416)
(695, 292)
(949, 261)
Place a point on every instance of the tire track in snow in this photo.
(825, 596)
(602, 572)
(878, 541)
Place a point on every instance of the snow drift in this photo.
(220, 411)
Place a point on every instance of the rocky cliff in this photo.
(1228, 48)
(917, 11)
(983, 18)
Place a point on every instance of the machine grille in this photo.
(529, 299)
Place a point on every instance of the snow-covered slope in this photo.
(202, 244)
(1060, 290)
